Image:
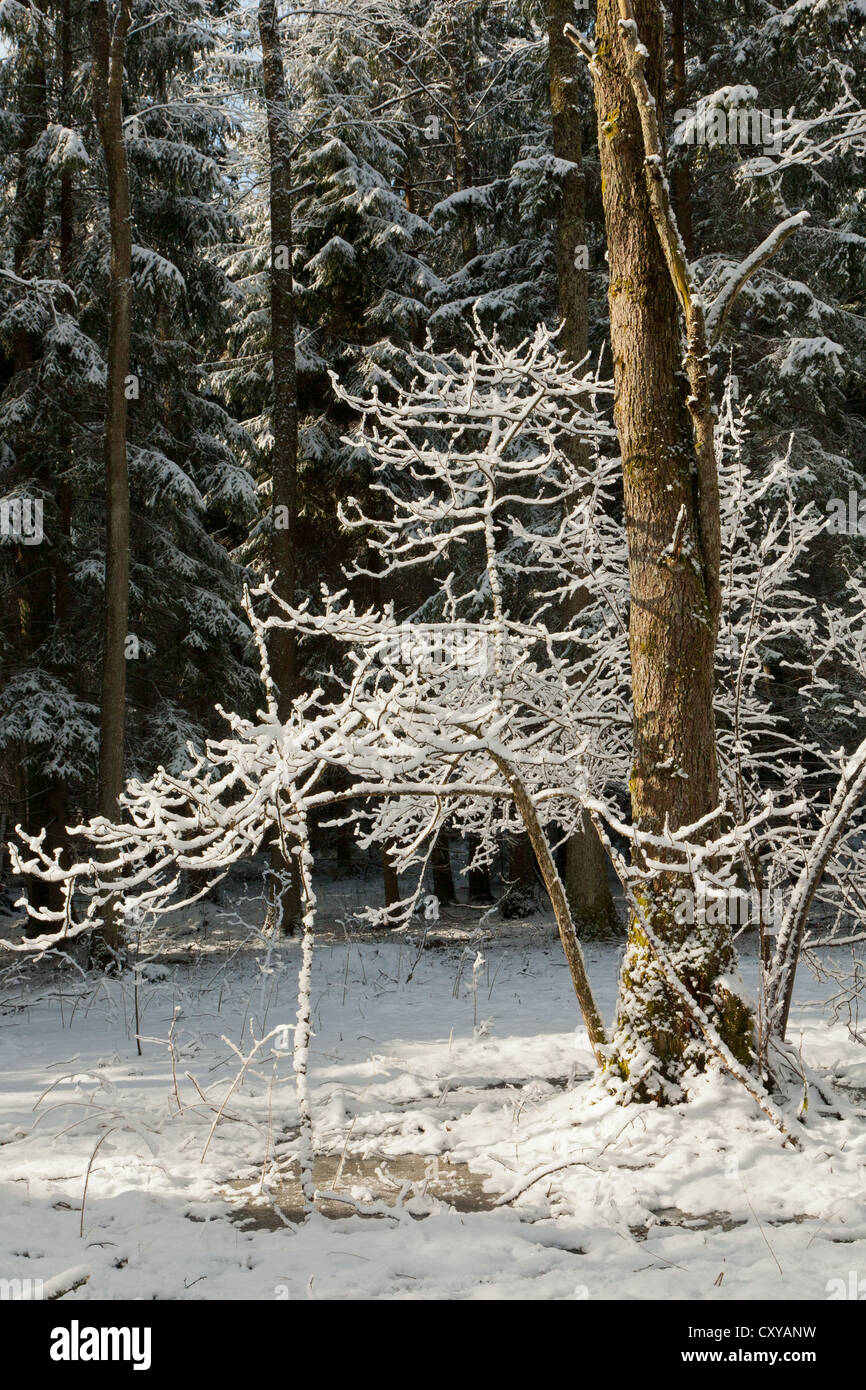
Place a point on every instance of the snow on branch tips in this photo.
(480, 708)
(482, 699)
(808, 142)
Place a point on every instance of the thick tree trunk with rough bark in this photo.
(671, 503)
(109, 48)
(586, 884)
(284, 906)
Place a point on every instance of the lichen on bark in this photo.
(670, 489)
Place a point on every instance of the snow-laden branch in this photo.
(486, 712)
(709, 1032)
(737, 277)
(849, 795)
(811, 141)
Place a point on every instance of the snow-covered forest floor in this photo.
(451, 1093)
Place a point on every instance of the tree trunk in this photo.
(453, 49)
(440, 867)
(43, 795)
(669, 492)
(522, 895)
(565, 118)
(285, 895)
(681, 183)
(586, 885)
(58, 793)
(109, 47)
(556, 894)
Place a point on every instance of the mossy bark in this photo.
(674, 587)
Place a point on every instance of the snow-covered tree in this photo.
(185, 455)
(489, 720)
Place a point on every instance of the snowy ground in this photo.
(456, 1101)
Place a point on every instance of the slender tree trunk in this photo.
(453, 48)
(522, 896)
(58, 790)
(285, 896)
(671, 491)
(284, 454)
(558, 901)
(563, 64)
(586, 884)
(681, 183)
(39, 600)
(109, 48)
(440, 866)
(33, 578)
